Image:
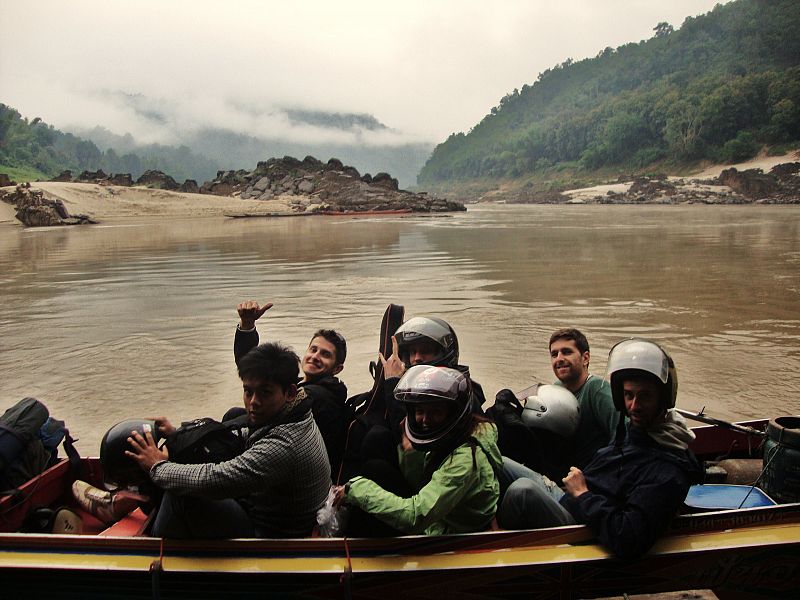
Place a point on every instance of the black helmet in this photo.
(638, 354)
(431, 328)
(423, 384)
(120, 470)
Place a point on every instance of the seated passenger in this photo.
(629, 491)
(446, 482)
(323, 360)
(273, 489)
(543, 450)
(422, 341)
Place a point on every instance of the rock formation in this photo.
(158, 180)
(323, 187)
(34, 210)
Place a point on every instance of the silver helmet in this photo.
(553, 408)
(639, 354)
(424, 384)
(428, 328)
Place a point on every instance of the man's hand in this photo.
(250, 312)
(392, 366)
(575, 482)
(339, 495)
(163, 425)
(144, 450)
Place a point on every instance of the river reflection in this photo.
(137, 317)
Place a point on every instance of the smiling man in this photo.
(273, 489)
(323, 360)
(569, 357)
(630, 490)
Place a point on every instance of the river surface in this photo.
(136, 317)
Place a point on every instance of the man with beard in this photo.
(540, 448)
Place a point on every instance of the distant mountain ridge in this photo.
(46, 150)
(718, 88)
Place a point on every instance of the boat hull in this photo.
(745, 553)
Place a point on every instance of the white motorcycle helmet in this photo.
(552, 408)
(639, 354)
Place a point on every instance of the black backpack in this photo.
(207, 441)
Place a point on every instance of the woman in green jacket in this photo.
(448, 459)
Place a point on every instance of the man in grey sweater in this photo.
(273, 489)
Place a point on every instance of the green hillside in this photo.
(33, 149)
(717, 88)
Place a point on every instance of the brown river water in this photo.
(136, 317)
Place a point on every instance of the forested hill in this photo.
(718, 87)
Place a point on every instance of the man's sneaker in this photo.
(104, 505)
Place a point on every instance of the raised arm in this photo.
(246, 335)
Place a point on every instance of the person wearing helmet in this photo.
(544, 444)
(272, 489)
(446, 482)
(323, 360)
(630, 490)
(421, 341)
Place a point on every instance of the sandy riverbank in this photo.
(763, 162)
(107, 202)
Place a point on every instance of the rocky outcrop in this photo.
(34, 210)
(92, 176)
(323, 187)
(121, 179)
(5, 180)
(752, 183)
(65, 175)
(190, 187)
(158, 180)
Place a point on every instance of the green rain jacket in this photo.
(461, 496)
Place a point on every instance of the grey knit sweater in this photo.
(281, 479)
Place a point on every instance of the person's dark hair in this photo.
(571, 334)
(335, 338)
(271, 362)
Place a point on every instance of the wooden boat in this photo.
(738, 553)
(327, 213)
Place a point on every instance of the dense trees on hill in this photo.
(718, 87)
(38, 146)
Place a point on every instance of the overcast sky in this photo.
(424, 68)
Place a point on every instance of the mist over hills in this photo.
(217, 148)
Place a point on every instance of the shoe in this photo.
(67, 521)
(104, 505)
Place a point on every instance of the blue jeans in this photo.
(195, 517)
(531, 500)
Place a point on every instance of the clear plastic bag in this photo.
(331, 520)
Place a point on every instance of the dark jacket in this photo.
(328, 402)
(634, 492)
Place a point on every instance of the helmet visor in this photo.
(639, 354)
(423, 383)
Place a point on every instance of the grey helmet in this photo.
(422, 384)
(553, 408)
(639, 354)
(431, 328)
